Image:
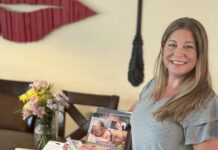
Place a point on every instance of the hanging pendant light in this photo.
(136, 64)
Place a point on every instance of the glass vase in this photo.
(45, 130)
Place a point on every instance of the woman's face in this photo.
(180, 53)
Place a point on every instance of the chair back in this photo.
(9, 102)
(107, 101)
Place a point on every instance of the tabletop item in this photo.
(54, 145)
(41, 102)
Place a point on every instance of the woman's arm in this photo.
(132, 107)
(211, 144)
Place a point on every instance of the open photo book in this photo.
(110, 129)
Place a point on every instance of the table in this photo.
(9, 139)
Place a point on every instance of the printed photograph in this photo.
(110, 133)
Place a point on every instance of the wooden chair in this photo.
(89, 100)
(12, 124)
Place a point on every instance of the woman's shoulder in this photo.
(207, 113)
(148, 87)
(202, 125)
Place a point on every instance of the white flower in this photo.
(60, 96)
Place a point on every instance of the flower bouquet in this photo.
(39, 101)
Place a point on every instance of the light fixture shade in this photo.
(136, 64)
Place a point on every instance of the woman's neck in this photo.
(170, 89)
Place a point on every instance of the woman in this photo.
(178, 109)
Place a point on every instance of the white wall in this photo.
(92, 55)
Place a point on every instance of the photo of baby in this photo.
(106, 132)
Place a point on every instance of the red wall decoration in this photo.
(32, 26)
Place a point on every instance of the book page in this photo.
(109, 130)
(54, 145)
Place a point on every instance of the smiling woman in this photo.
(180, 54)
(179, 104)
(32, 26)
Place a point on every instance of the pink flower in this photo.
(61, 99)
(26, 114)
(39, 100)
(38, 84)
(34, 108)
(40, 111)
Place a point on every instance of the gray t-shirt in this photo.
(148, 134)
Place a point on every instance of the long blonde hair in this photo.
(195, 87)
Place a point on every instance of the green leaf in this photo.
(18, 111)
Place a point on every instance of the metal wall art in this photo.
(33, 26)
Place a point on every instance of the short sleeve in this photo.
(202, 125)
(146, 89)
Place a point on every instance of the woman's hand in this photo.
(211, 144)
(91, 147)
(131, 109)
